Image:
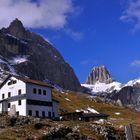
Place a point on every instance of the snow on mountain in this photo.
(13, 61)
(99, 87)
(11, 36)
(19, 59)
(133, 82)
(6, 63)
(22, 41)
(137, 109)
(103, 87)
(100, 81)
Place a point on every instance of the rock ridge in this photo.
(99, 74)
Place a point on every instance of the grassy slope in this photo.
(81, 101)
(77, 101)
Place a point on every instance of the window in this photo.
(37, 113)
(9, 105)
(9, 83)
(9, 94)
(19, 102)
(14, 81)
(39, 91)
(30, 113)
(38, 102)
(44, 92)
(43, 113)
(49, 113)
(19, 92)
(2, 96)
(53, 114)
(34, 90)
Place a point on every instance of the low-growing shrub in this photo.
(38, 125)
(12, 121)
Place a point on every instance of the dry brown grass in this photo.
(77, 101)
(81, 101)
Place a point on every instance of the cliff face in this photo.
(26, 53)
(99, 74)
(129, 96)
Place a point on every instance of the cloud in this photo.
(132, 13)
(36, 13)
(75, 35)
(135, 63)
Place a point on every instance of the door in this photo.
(4, 106)
(49, 114)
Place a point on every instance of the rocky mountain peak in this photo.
(99, 74)
(17, 29)
(26, 53)
(16, 23)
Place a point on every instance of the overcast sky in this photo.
(87, 33)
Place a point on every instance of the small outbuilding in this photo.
(81, 116)
(93, 116)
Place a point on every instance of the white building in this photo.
(27, 97)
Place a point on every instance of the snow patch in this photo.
(77, 110)
(92, 110)
(19, 59)
(103, 87)
(4, 61)
(133, 82)
(117, 113)
(22, 41)
(67, 99)
(88, 110)
(12, 36)
(137, 109)
(101, 121)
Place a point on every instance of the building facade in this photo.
(25, 97)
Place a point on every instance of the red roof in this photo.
(27, 80)
(36, 82)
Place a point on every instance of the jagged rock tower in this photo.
(99, 74)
